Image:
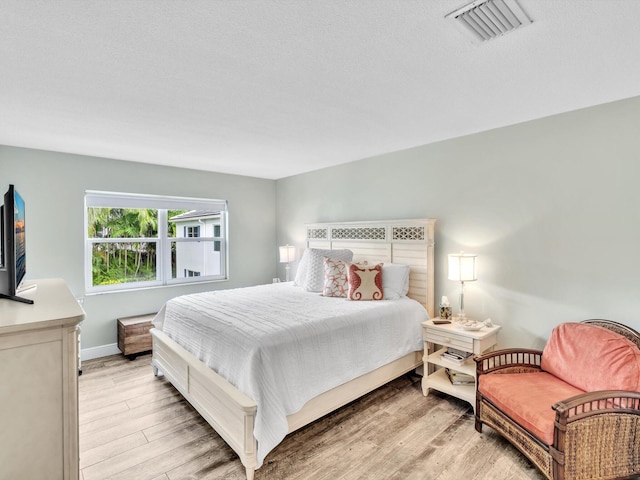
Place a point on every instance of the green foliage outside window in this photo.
(125, 261)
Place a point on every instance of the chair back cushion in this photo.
(592, 358)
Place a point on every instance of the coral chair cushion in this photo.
(527, 398)
(592, 358)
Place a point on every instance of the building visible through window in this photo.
(194, 256)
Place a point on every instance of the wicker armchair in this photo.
(596, 434)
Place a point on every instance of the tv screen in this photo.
(14, 253)
(19, 243)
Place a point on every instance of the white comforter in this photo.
(283, 346)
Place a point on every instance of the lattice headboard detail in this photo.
(397, 241)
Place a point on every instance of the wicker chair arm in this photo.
(513, 360)
(596, 434)
(594, 403)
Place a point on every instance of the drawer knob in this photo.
(448, 340)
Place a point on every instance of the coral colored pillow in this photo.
(592, 358)
(365, 282)
(336, 283)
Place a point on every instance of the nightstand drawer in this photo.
(449, 339)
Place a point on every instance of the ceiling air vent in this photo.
(487, 19)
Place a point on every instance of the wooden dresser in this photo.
(39, 384)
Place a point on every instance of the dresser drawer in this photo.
(448, 339)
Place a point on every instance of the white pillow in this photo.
(395, 280)
(315, 271)
(301, 273)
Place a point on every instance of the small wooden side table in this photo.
(453, 335)
(134, 336)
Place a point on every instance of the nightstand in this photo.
(133, 334)
(436, 340)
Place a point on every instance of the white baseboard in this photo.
(97, 352)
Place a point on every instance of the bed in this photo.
(240, 413)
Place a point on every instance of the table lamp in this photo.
(287, 255)
(462, 268)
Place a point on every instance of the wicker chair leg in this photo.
(478, 425)
(478, 406)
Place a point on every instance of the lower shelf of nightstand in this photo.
(440, 381)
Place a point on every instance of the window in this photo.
(216, 233)
(140, 241)
(192, 232)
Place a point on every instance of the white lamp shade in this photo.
(287, 253)
(462, 267)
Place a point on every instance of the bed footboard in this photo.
(339, 396)
(230, 412)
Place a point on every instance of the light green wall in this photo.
(552, 208)
(53, 186)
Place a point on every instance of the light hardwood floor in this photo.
(134, 426)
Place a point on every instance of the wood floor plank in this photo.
(138, 372)
(132, 458)
(105, 451)
(169, 460)
(132, 424)
(104, 366)
(127, 413)
(207, 464)
(108, 411)
(167, 394)
(188, 419)
(95, 382)
(119, 389)
(394, 433)
(115, 383)
(109, 397)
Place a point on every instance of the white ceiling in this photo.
(274, 88)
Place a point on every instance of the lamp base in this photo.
(460, 318)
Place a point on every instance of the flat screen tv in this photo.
(14, 259)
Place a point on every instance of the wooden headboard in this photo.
(396, 241)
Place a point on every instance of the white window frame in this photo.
(94, 198)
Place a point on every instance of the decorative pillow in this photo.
(303, 267)
(315, 272)
(591, 357)
(336, 282)
(365, 282)
(395, 280)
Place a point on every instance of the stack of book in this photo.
(456, 356)
(458, 378)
